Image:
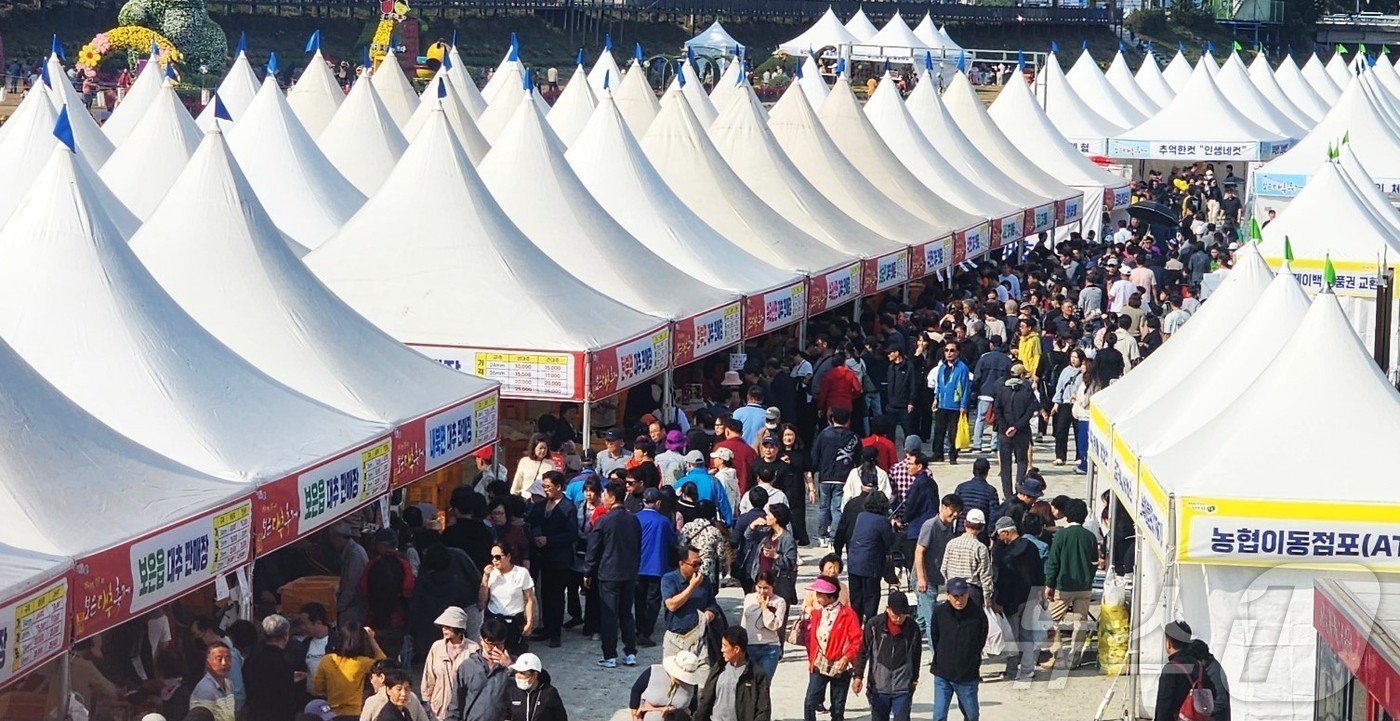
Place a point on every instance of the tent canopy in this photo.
(1331, 218)
(1091, 85)
(236, 91)
(1076, 116)
(134, 102)
(1234, 81)
(573, 107)
(316, 96)
(464, 85)
(362, 141)
(1316, 74)
(91, 141)
(459, 119)
(860, 26)
(1177, 72)
(635, 100)
(826, 32)
(1149, 78)
(142, 169)
(394, 89)
(1290, 79)
(1263, 78)
(895, 41)
(715, 37)
(605, 73)
(1121, 78)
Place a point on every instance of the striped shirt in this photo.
(968, 558)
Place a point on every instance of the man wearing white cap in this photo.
(533, 697)
(967, 556)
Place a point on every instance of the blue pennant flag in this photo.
(1290, 49)
(928, 61)
(680, 75)
(1083, 44)
(526, 81)
(44, 75)
(272, 64)
(689, 54)
(313, 43)
(242, 46)
(1120, 46)
(1054, 47)
(1210, 47)
(365, 59)
(743, 68)
(796, 72)
(962, 62)
(170, 71)
(514, 53)
(1181, 47)
(442, 88)
(1020, 60)
(515, 42)
(57, 48)
(1370, 61)
(637, 51)
(447, 61)
(221, 110)
(841, 66)
(1149, 47)
(63, 130)
(888, 67)
(454, 37)
(607, 42)
(579, 61)
(155, 49)
(607, 79)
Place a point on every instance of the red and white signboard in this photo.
(774, 309)
(33, 629)
(833, 288)
(627, 364)
(296, 505)
(426, 444)
(709, 332)
(885, 272)
(932, 257)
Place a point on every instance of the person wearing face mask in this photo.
(533, 697)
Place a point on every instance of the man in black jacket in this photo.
(532, 696)
(554, 527)
(273, 693)
(738, 686)
(1015, 406)
(1182, 670)
(988, 375)
(957, 634)
(1019, 571)
(901, 393)
(834, 455)
(892, 659)
(614, 555)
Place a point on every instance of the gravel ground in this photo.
(594, 694)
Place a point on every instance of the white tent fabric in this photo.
(146, 164)
(92, 143)
(725, 89)
(463, 276)
(967, 110)
(715, 37)
(306, 196)
(947, 39)
(394, 89)
(1356, 116)
(146, 368)
(1208, 60)
(943, 133)
(611, 164)
(1330, 218)
(1360, 309)
(1083, 126)
(22, 571)
(528, 163)
(459, 119)
(1263, 78)
(236, 91)
(134, 102)
(496, 81)
(1090, 84)
(1120, 77)
(860, 27)
(928, 34)
(466, 87)
(573, 108)
(240, 280)
(742, 136)
(316, 96)
(362, 141)
(1149, 79)
(681, 152)
(1290, 79)
(1316, 74)
(27, 104)
(510, 93)
(827, 31)
(1339, 70)
(813, 84)
(1177, 72)
(25, 148)
(852, 132)
(1246, 99)
(896, 127)
(1360, 179)
(605, 72)
(1200, 123)
(896, 41)
(636, 100)
(694, 92)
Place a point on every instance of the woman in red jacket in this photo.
(840, 388)
(832, 637)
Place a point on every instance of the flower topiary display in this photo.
(130, 39)
(188, 26)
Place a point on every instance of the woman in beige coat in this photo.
(446, 654)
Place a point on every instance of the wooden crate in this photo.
(310, 589)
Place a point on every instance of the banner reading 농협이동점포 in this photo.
(296, 505)
(1270, 532)
(119, 583)
(33, 629)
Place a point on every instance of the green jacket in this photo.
(1073, 559)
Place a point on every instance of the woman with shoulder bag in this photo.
(1084, 387)
(833, 639)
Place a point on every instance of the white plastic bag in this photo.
(1115, 590)
(999, 633)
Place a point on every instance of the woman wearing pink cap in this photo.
(832, 635)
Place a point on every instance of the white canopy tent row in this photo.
(528, 163)
(362, 141)
(1234, 81)
(94, 144)
(1020, 118)
(727, 87)
(1290, 79)
(144, 167)
(715, 40)
(813, 84)
(1120, 78)
(1199, 124)
(1263, 78)
(688, 83)
(236, 91)
(612, 165)
(634, 99)
(440, 93)
(860, 26)
(1339, 70)
(1086, 129)
(1316, 74)
(496, 81)
(1063, 205)
(316, 95)
(463, 285)
(895, 42)
(501, 109)
(826, 32)
(464, 85)
(138, 97)
(605, 71)
(1177, 72)
(1090, 84)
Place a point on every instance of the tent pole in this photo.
(1135, 633)
(667, 408)
(65, 681)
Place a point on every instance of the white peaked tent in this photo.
(1361, 180)
(1090, 85)
(1339, 70)
(1062, 202)
(465, 86)
(240, 280)
(306, 196)
(715, 37)
(1201, 123)
(1296, 87)
(27, 104)
(316, 96)
(611, 164)
(1316, 74)
(826, 32)
(1149, 79)
(681, 152)
(636, 100)
(394, 89)
(498, 81)
(1356, 116)
(948, 139)
(92, 143)
(573, 107)
(148, 370)
(362, 141)
(1246, 99)
(860, 27)
(896, 127)
(928, 34)
(1020, 118)
(1263, 78)
(852, 132)
(1212, 66)
(502, 106)
(605, 73)
(1387, 84)
(742, 136)
(689, 84)
(466, 287)
(813, 85)
(1083, 126)
(947, 39)
(459, 119)
(1177, 72)
(1120, 77)
(236, 91)
(527, 164)
(724, 90)
(138, 97)
(147, 163)
(895, 41)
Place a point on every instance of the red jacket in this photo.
(840, 386)
(844, 641)
(886, 448)
(744, 458)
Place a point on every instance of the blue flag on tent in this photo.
(155, 49)
(1210, 47)
(637, 51)
(796, 72)
(928, 61)
(220, 110)
(1054, 47)
(1181, 47)
(514, 41)
(1083, 44)
(1120, 46)
(1020, 59)
(364, 58)
(272, 63)
(607, 41)
(841, 66)
(1149, 47)
(57, 48)
(962, 61)
(63, 130)
(442, 88)
(579, 60)
(689, 54)
(680, 75)
(447, 61)
(242, 46)
(514, 53)
(170, 71)
(607, 79)
(44, 76)
(454, 37)
(526, 83)
(313, 43)
(888, 66)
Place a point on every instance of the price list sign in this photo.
(33, 629)
(535, 374)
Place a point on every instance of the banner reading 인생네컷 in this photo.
(33, 629)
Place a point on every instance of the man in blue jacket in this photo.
(658, 555)
(706, 487)
(614, 555)
(988, 375)
(951, 383)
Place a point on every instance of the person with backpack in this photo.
(1184, 690)
(834, 455)
(387, 586)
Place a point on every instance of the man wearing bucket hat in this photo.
(671, 684)
(443, 659)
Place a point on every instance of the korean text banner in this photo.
(886, 272)
(122, 582)
(33, 629)
(767, 312)
(932, 257)
(292, 507)
(426, 444)
(710, 332)
(1353, 278)
(1271, 533)
(522, 374)
(627, 364)
(829, 290)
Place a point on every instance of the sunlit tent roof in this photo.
(1072, 114)
(458, 118)
(813, 84)
(605, 70)
(92, 143)
(896, 41)
(1290, 79)
(928, 34)
(236, 91)
(689, 85)
(636, 100)
(316, 96)
(1090, 84)
(466, 87)
(362, 141)
(1177, 72)
(1233, 80)
(1316, 75)
(1120, 77)
(573, 107)
(715, 37)
(1338, 69)
(27, 149)
(394, 89)
(138, 97)
(860, 26)
(1149, 78)
(1331, 218)
(727, 87)
(145, 165)
(827, 31)
(1263, 78)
